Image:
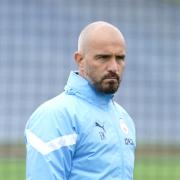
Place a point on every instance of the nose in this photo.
(113, 65)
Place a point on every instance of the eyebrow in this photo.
(103, 55)
(121, 56)
(109, 55)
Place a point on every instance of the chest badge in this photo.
(124, 127)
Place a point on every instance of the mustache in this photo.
(111, 75)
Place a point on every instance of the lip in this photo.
(111, 79)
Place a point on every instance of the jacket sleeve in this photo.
(50, 143)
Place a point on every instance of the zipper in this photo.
(113, 114)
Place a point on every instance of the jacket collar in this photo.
(82, 88)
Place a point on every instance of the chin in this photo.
(110, 90)
(107, 87)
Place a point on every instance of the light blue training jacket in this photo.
(81, 134)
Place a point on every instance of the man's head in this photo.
(101, 56)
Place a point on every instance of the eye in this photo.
(102, 57)
(120, 58)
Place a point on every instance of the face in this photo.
(103, 63)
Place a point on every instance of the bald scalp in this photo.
(94, 30)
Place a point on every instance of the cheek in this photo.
(121, 68)
(93, 72)
(87, 68)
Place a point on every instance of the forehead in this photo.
(106, 38)
(107, 43)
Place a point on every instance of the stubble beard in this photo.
(107, 85)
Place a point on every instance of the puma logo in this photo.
(102, 132)
(101, 126)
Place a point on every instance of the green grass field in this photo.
(157, 168)
(152, 163)
(147, 168)
(12, 169)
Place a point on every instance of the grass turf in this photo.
(146, 168)
(12, 169)
(157, 168)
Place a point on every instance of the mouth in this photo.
(111, 81)
(111, 77)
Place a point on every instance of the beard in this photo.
(108, 84)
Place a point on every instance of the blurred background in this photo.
(37, 42)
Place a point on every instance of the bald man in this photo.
(83, 134)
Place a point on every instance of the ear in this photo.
(78, 58)
(79, 61)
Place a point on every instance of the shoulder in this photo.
(56, 105)
(52, 117)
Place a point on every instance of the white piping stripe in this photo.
(47, 147)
